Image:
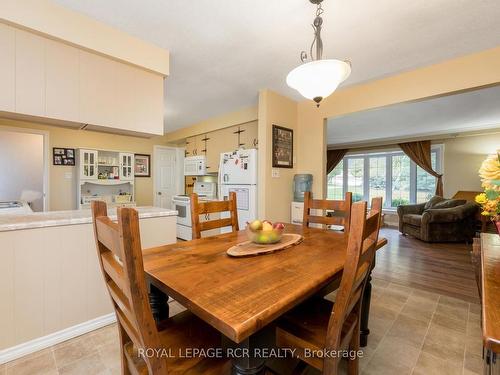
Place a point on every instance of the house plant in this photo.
(490, 178)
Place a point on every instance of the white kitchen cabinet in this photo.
(126, 166)
(30, 73)
(97, 90)
(7, 68)
(62, 84)
(87, 164)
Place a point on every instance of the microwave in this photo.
(195, 166)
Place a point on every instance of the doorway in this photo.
(168, 176)
(24, 166)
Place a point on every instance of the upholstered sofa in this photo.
(439, 220)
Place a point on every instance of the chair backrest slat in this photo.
(362, 242)
(202, 208)
(120, 256)
(342, 207)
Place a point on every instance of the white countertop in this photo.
(10, 222)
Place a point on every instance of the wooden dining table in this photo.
(242, 296)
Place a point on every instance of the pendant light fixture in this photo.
(319, 78)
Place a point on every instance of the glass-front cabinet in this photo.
(126, 166)
(88, 164)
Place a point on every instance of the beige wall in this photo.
(275, 194)
(463, 157)
(51, 19)
(62, 191)
(471, 71)
(226, 120)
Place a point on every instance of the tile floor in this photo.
(412, 332)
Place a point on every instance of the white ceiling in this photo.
(224, 51)
(447, 115)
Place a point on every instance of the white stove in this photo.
(206, 191)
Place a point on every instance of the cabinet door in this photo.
(190, 146)
(62, 62)
(248, 135)
(213, 151)
(200, 145)
(97, 90)
(7, 68)
(88, 164)
(126, 166)
(30, 73)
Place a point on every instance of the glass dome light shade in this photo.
(318, 79)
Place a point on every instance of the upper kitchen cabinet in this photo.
(97, 90)
(30, 74)
(191, 146)
(62, 82)
(248, 135)
(7, 68)
(47, 78)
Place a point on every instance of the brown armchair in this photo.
(439, 220)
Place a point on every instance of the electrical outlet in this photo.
(275, 173)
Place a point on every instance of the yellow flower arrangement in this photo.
(490, 178)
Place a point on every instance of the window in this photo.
(390, 175)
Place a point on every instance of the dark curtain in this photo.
(333, 157)
(420, 153)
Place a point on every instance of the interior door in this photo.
(166, 176)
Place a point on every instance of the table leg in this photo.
(365, 312)
(159, 304)
(245, 355)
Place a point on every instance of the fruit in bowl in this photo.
(264, 232)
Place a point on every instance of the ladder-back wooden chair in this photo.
(206, 208)
(342, 207)
(319, 324)
(120, 256)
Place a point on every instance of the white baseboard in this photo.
(14, 352)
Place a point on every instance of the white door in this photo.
(168, 168)
(126, 166)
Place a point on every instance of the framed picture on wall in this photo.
(282, 147)
(142, 165)
(63, 156)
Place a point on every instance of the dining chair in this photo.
(142, 342)
(206, 208)
(341, 214)
(318, 324)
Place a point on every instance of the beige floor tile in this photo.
(383, 365)
(379, 283)
(473, 363)
(420, 312)
(106, 335)
(475, 308)
(401, 289)
(428, 364)
(91, 364)
(408, 330)
(457, 313)
(453, 302)
(444, 343)
(40, 363)
(73, 350)
(423, 294)
(110, 355)
(474, 327)
(444, 321)
(474, 344)
(396, 351)
(2, 369)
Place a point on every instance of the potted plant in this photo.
(490, 178)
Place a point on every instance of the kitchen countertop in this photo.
(11, 222)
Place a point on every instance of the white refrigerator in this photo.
(238, 173)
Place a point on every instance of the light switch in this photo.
(275, 173)
(68, 175)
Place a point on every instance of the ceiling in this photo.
(448, 115)
(224, 51)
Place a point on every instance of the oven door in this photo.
(183, 209)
